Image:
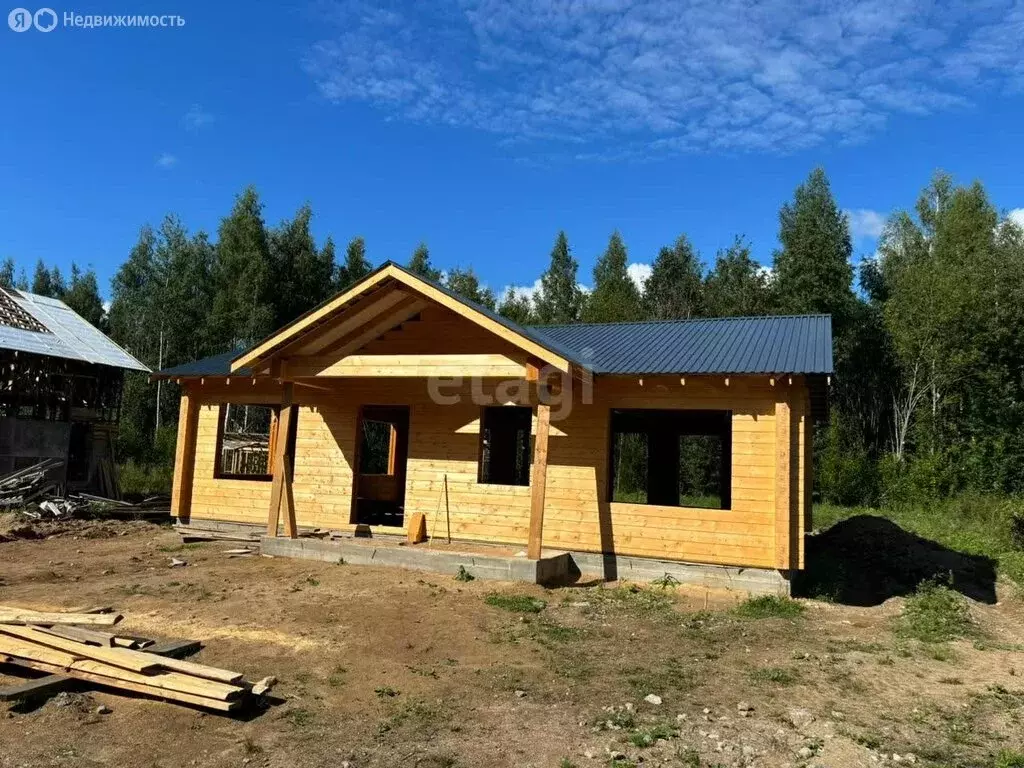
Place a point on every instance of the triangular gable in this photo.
(378, 302)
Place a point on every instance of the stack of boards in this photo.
(75, 645)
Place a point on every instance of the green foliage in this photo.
(737, 285)
(647, 736)
(7, 273)
(777, 675)
(141, 481)
(1009, 758)
(83, 296)
(302, 273)
(935, 614)
(674, 289)
(463, 575)
(770, 606)
(516, 307)
(615, 297)
(465, 283)
(560, 299)
(47, 282)
(420, 264)
(515, 603)
(847, 474)
(356, 265)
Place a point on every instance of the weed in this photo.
(951, 681)
(1009, 758)
(546, 630)
(934, 614)
(312, 582)
(385, 692)
(777, 675)
(690, 758)
(515, 603)
(620, 720)
(770, 606)
(464, 575)
(566, 763)
(665, 582)
(646, 737)
(251, 748)
(621, 762)
(669, 676)
(299, 717)
(417, 714)
(337, 677)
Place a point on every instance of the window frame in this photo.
(218, 471)
(527, 414)
(700, 422)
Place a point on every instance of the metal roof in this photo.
(67, 335)
(774, 344)
(738, 345)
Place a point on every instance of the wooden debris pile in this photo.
(29, 483)
(79, 647)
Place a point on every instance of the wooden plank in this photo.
(354, 318)
(140, 688)
(102, 639)
(172, 681)
(185, 455)
(363, 336)
(284, 423)
(538, 481)
(37, 688)
(11, 615)
(481, 365)
(783, 481)
(118, 657)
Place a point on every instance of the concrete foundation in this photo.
(552, 568)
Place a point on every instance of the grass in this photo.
(970, 523)
(768, 607)
(648, 735)
(935, 614)
(515, 603)
(141, 481)
(463, 575)
(666, 677)
(776, 675)
(1009, 758)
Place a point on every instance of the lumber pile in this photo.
(69, 645)
(28, 483)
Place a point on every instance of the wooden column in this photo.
(185, 455)
(281, 487)
(538, 481)
(786, 483)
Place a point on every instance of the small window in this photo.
(671, 458)
(243, 441)
(505, 445)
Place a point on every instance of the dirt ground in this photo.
(384, 667)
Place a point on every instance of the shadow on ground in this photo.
(865, 560)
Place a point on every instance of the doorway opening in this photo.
(382, 450)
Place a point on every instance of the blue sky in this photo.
(484, 126)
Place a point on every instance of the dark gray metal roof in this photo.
(213, 366)
(776, 344)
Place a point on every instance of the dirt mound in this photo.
(15, 526)
(865, 560)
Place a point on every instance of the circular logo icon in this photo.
(45, 19)
(20, 19)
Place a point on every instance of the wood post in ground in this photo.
(281, 487)
(185, 455)
(785, 482)
(538, 481)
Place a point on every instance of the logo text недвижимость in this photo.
(47, 19)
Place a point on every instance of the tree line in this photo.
(928, 395)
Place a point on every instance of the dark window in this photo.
(671, 458)
(505, 445)
(243, 441)
(377, 454)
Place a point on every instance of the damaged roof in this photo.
(44, 326)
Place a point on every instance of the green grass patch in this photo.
(1009, 758)
(648, 735)
(776, 675)
(770, 607)
(666, 677)
(935, 614)
(515, 603)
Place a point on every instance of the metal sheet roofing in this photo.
(737, 345)
(67, 335)
(776, 344)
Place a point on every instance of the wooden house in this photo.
(683, 441)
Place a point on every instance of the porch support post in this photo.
(538, 481)
(281, 487)
(785, 482)
(185, 455)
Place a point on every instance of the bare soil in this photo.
(384, 667)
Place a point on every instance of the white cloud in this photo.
(1017, 216)
(196, 118)
(608, 79)
(866, 223)
(523, 291)
(166, 161)
(639, 274)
